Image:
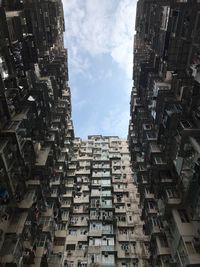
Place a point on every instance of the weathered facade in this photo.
(36, 133)
(63, 201)
(105, 228)
(164, 133)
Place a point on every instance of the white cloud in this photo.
(99, 27)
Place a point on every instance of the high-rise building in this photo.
(63, 201)
(36, 133)
(105, 228)
(164, 130)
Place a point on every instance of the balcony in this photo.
(101, 215)
(162, 247)
(65, 216)
(104, 260)
(81, 199)
(28, 200)
(108, 260)
(95, 193)
(59, 244)
(173, 197)
(120, 209)
(149, 195)
(65, 204)
(66, 193)
(54, 193)
(95, 229)
(106, 193)
(46, 223)
(99, 229)
(189, 255)
(155, 226)
(79, 221)
(100, 174)
(120, 188)
(141, 168)
(17, 223)
(55, 182)
(126, 250)
(151, 209)
(105, 243)
(121, 220)
(144, 180)
(106, 204)
(159, 162)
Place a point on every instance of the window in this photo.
(151, 205)
(59, 241)
(62, 226)
(72, 232)
(41, 241)
(82, 264)
(65, 213)
(163, 242)
(124, 246)
(70, 247)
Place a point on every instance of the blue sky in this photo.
(99, 39)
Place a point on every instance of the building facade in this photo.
(105, 228)
(164, 129)
(36, 133)
(63, 201)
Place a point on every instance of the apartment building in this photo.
(164, 133)
(105, 228)
(63, 201)
(36, 133)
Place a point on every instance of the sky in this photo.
(99, 39)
